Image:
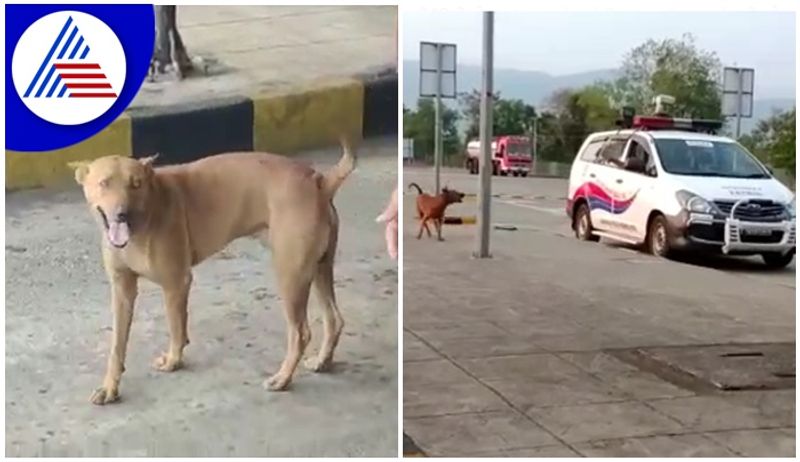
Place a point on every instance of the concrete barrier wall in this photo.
(308, 117)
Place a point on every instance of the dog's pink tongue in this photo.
(118, 233)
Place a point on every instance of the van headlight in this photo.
(791, 207)
(694, 203)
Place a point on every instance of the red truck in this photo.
(510, 155)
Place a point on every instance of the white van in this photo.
(672, 184)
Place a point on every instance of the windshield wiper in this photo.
(696, 173)
(751, 175)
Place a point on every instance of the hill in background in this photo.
(535, 87)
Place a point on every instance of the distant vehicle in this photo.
(672, 184)
(510, 155)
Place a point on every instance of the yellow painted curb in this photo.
(462, 220)
(307, 118)
(36, 169)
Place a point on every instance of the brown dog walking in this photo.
(158, 223)
(431, 208)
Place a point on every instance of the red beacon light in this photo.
(662, 121)
(675, 123)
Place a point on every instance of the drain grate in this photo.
(730, 367)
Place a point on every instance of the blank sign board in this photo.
(730, 91)
(428, 56)
(437, 59)
(427, 83)
(730, 80)
(729, 107)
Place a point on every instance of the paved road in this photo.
(537, 204)
(517, 355)
(251, 49)
(58, 323)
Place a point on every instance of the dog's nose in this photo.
(122, 217)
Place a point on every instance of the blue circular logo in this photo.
(71, 70)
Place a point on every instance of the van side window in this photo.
(638, 155)
(612, 152)
(590, 153)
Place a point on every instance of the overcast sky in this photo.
(565, 43)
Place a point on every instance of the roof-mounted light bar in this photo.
(674, 123)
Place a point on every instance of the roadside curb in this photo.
(461, 220)
(310, 116)
(410, 448)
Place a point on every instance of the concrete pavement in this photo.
(58, 323)
(253, 49)
(520, 355)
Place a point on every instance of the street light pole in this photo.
(535, 136)
(485, 177)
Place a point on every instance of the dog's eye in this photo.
(104, 183)
(135, 183)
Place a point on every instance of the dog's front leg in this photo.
(438, 224)
(176, 298)
(123, 297)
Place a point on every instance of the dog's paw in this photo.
(317, 364)
(103, 395)
(165, 363)
(441, 239)
(277, 382)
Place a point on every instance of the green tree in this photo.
(512, 117)
(509, 116)
(470, 103)
(572, 116)
(674, 67)
(773, 141)
(419, 125)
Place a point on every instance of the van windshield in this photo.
(708, 158)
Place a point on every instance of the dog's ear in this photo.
(81, 168)
(148, 163)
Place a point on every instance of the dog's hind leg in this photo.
(294, 267)
(123, 297)
(176, 297)
(333, 323)
(422, 225)
(428, 230)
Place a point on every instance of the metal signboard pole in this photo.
(437, 150)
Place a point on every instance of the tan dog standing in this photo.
(158, 223)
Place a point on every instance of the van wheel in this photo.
(776, 260)
(582, 224)
(503, 173)
(658, 237)
(523, 174)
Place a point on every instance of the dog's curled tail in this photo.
(333, 178)
(414, 185)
